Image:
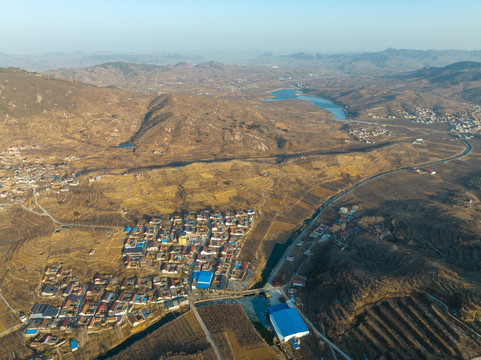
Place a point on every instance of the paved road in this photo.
(327, 204)
(206, 331)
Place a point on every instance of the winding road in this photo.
(333, 199)
(326, 205)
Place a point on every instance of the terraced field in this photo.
(234, 334)
(68, 246)
(414, 292)
(410, 328)
(181, 338)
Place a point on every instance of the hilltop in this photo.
(452, 74)
(204, 127)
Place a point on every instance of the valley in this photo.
(396, 280)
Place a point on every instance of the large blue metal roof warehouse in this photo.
(287, 323)
(204, 279)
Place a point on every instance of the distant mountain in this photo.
(462, 79)
(206, 77)
(452, 74)
(399, 60)
(211, 65)
(130, 76)
(78, 59)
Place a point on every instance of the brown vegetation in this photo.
(282, 159)
(376, 296)
(233, 333)
(181, 338)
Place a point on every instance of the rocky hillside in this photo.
(462, 79)
(195, 125)
(40, 110)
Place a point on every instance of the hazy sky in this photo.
(34, 26)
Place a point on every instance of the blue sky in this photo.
(142, 26)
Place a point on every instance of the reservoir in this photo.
(333, 108)
(291, 94)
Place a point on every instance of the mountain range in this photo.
(386, 60)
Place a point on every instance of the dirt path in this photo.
(55, 221)
(206, 331)
(13, 328)
(8, 304)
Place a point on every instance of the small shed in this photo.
(73, 345)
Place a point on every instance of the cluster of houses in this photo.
(191, 243)
(366, 134)
(20, 174)
(460, 123)
(470, 123)
(99, 304)
(344, 228)
(423, 116)
(182, 252)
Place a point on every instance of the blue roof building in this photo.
(73, 345)
(274, 308)
(31, 332)
(204, 279)
(287, 323)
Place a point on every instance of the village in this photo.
(463, 123)
(467, 124)
(187, 253)
(366, 135)
(193, 243)
(19, 174)
(345, 227)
